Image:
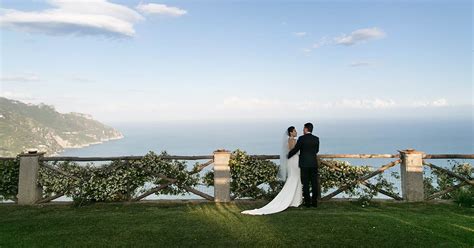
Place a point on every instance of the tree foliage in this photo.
(435, 181)
(9, 173)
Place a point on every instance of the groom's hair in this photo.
(309, 126)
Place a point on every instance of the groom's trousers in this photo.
(309, 175)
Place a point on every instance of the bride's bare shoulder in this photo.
(291, 143)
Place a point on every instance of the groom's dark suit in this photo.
(308, 145)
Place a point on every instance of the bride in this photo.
(291, 193)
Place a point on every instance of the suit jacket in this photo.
(308, 145)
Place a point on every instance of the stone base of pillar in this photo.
(221, 176)
(411, 169)
(28, 190)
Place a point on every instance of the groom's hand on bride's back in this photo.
(296, 148)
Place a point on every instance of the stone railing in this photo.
(411, 169)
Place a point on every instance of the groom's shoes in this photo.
(314, 204)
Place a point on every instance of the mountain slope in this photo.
(25, 126)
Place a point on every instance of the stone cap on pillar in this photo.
(410, 151)
(221, 157)
(221, 151)
(32, 153)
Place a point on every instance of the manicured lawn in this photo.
(340, 224)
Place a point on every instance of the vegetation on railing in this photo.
(257, 178)
(444, 186)
(250, 177)
(9, 172)
(335, 173)
(115, 181)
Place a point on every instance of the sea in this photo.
(367, 136)
(265, 137)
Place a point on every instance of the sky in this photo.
(239, 60)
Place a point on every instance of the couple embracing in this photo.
(298, 164)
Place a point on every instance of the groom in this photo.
(308, 145)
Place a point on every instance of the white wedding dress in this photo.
(291, 195)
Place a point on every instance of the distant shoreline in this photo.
(121, 136)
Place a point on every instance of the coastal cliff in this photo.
(27, 126)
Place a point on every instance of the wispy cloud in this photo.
(92, 17)
(360, 36)
(436, 103)
(361, 63)
(250, 103)
(300, 34)
(357, 36)
(160, 9)
(26, 77)
(369, 103)
(321, 42)
(363, 103)
(80, 79)
(306, 51)
(20, 96)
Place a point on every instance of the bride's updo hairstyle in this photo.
(289, 130)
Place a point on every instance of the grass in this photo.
(333, 224)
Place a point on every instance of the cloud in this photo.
(306, 51)
(361, 64)
(357, 36)
(160, 9)
(363, 104)
(80, 79)
(250, 103)
(91, 17)
(300, 34)
(360, 36)
(322, 42)
(27, 77)
(25, 97)
(442, 102)
(235, 103)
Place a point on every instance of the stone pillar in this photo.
(411, 169)
(221, 176)
(28, 190)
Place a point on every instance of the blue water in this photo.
(356, 136)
